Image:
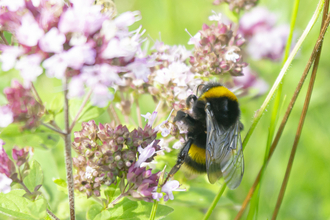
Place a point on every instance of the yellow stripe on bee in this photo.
(217, 92)
(197, 154)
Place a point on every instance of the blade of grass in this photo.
(253, 211)
(255, 198)
(271, 93)
(301, 121)
(283, 71)
(274, 117)
(215, 201)
(286, 116)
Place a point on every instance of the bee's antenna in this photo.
(197, 89)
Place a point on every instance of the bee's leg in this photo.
(188, 100)
(181, 158)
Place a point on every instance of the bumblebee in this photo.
(213, 144)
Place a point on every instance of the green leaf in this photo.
(60, 182)
(93, 211)
(38, 208)
(41, 138)
(104, 215)
(56, 105)
(15, 205)
(89, 111)
(132, 210)
(35, 176)
(7, 36)
(61, 185)
(110, 192)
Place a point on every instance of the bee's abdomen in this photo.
(196, 158)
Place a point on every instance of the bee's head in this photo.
(205, 87)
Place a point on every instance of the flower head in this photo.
(266, 40)
(7, 166)
(20, 155)
(237, 5)
(219, 51)
(107, 152)
(21, 107)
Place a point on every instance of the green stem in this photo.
(277, 103)
(159, 189)
(215, 201)
(279, 91)
(271, 93)
(301, 121)
(154, 210)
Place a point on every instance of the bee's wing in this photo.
(224, 154)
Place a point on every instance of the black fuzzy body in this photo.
(226, 112)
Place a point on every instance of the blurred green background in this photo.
(308, 192)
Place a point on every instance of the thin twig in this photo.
(138, 112)
(113, 112)
(117, 199)
(24, 186)
(80, 109)
(3, 38)
(279, 78)
(52, 214)
(68, 157)
(29, 192)
(53, 123)
(286, 116)
(36, 93)
(54, 129)
(301, 122)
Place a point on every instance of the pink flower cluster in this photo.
(74, 40)
(266, 40)
(21, 107)
(217, 50)
(8, 172)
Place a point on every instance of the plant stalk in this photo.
(80, 110)
(68, 156)
(52, 214)
(215, 202)
(53, 129)
(3, 38)
(273, 89)
(301, 121)
(138, 112)
(285, 118)
(283, 71)
(113, 112)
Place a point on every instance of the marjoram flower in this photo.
(237, 5)
(22, 106)
(219, 51)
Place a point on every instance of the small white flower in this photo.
(5, 183)
(169, 187)
(151, 165)
(194, 39)
(6, 116)
(231, 55)
(89, 172)
(177, 145)
(145, 153)
(156, 195)
(215, 16)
